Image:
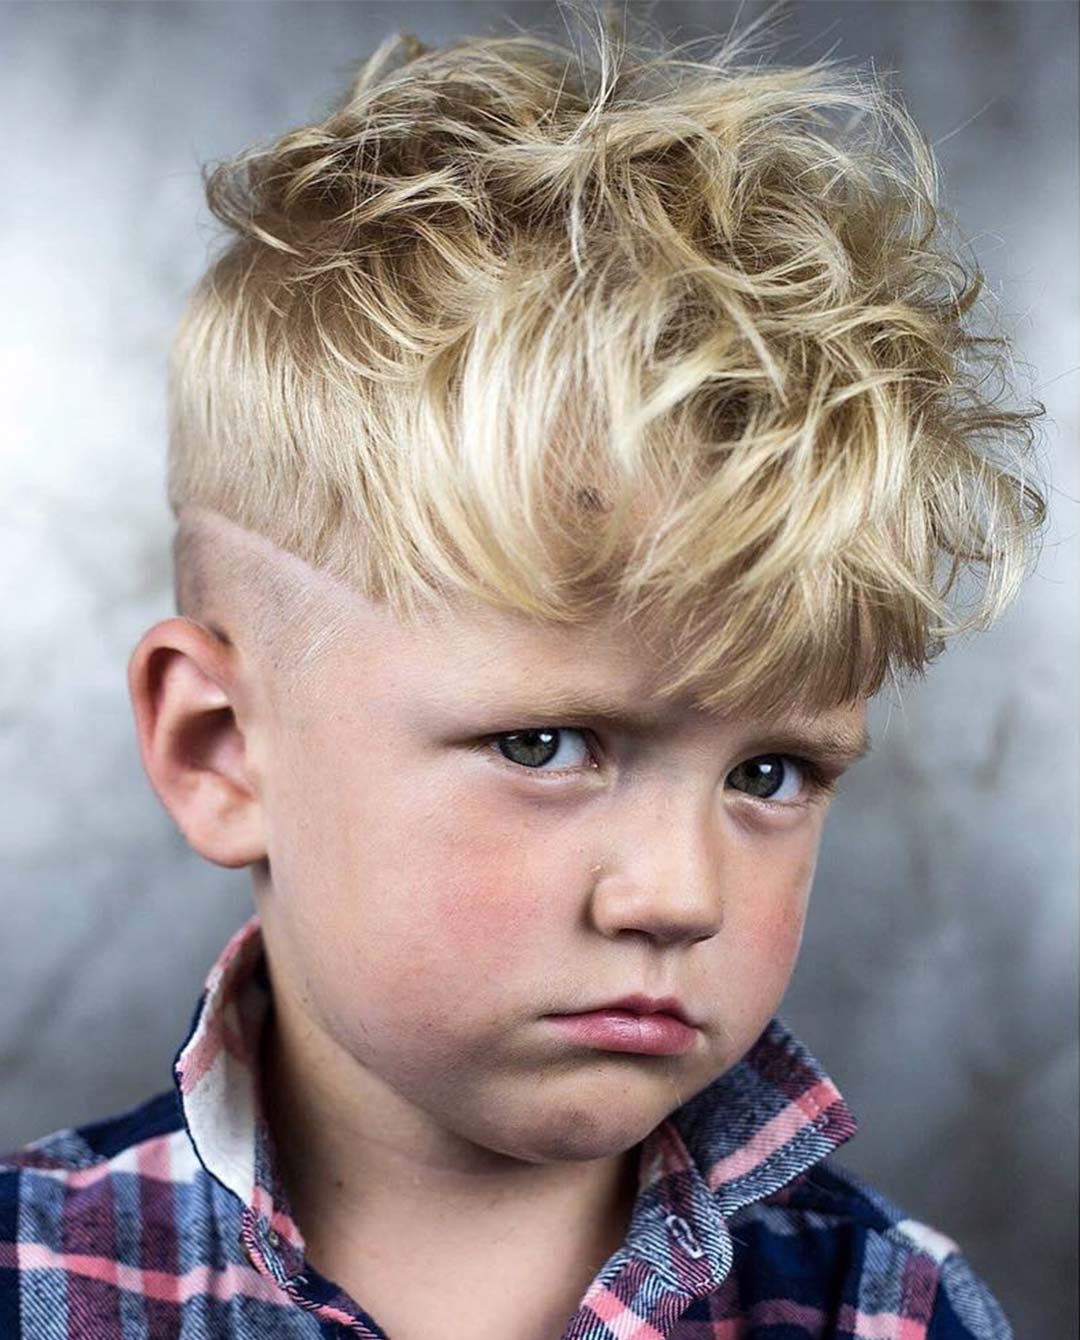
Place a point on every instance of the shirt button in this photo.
(273, 1238)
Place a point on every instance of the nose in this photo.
(663, 873)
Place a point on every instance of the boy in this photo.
(562, 459)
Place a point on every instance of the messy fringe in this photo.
(675, 340)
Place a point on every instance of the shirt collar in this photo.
(746, 1136)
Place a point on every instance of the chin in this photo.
(577, 1134)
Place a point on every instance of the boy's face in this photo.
(431, 899)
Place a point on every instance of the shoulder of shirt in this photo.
(54, 1183)
(76, 1149)
(57, 1178)
(830, 1201)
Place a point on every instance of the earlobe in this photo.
(182, 686)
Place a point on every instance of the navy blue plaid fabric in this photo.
(170, 1221)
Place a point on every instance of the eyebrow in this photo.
(828, 740)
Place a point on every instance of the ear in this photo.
(184, 686)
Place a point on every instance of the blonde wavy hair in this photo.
(675, 341)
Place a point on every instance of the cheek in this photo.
(461, 888)
(775, 937)
(758, 943)
(494, 896)
(771, 926)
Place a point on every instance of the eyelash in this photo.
(821, 781)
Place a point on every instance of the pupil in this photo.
(765, 775)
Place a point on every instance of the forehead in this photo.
(474, 648)
(483, 661)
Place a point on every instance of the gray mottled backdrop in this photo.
(938, 977)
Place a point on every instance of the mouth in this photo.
(647, 1005)
(658, 1033)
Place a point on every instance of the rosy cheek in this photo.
(492, 888)
(480, 915)
(772, 926)
(781, 939)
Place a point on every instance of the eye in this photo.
(539, 745)
(779, 778)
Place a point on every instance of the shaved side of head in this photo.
(282, 615)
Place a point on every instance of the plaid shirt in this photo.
(169, 1220)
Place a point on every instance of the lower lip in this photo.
(624, 1031)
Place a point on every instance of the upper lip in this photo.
(640, 1004)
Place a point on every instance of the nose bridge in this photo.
(663, 873)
